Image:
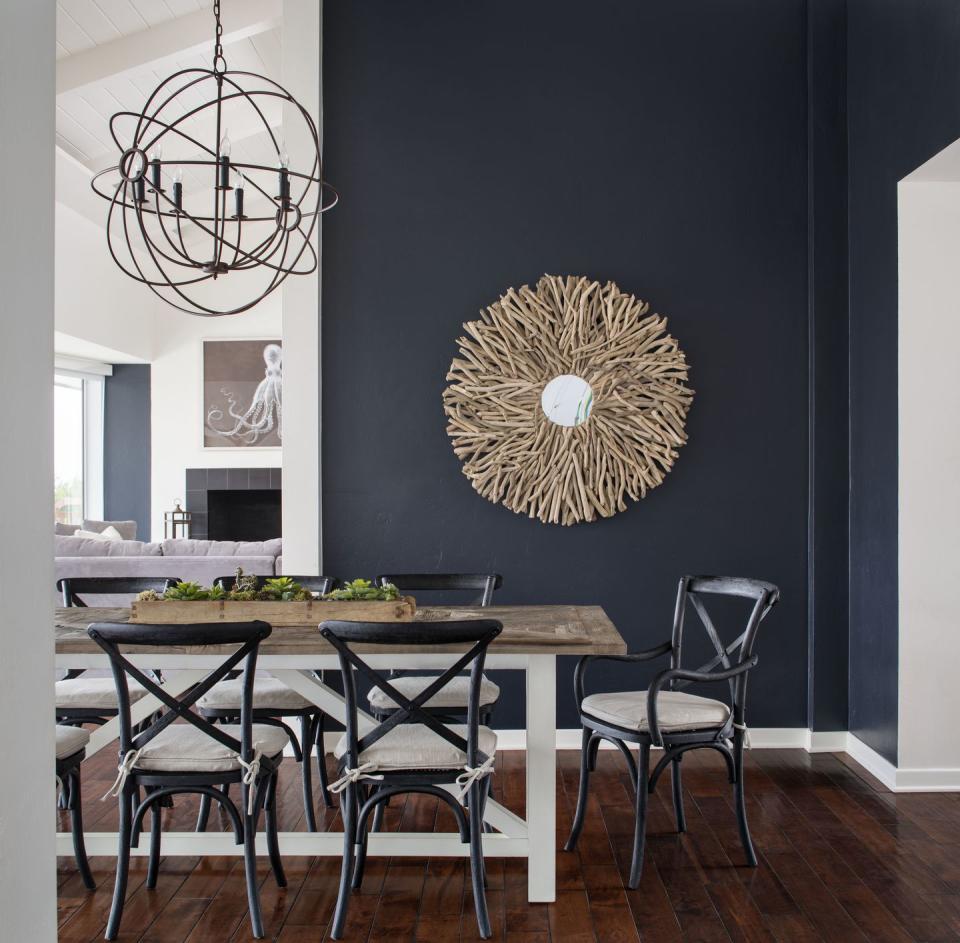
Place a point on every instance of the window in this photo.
(78, 447)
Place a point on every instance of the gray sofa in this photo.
(200, 561)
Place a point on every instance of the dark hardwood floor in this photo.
(841, 859)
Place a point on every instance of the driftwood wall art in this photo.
(566, 399)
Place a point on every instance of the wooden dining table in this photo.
(532, 638)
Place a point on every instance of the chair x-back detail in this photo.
(272, 701)
(195, 755)
(412, 750)
(449, 704)
(79, 698)
(664, 715)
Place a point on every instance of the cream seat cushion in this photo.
(70, 740)
(268, 693)
(93, 693)
(452, 694)
(185, 748)
(416, 746)
(676, 710)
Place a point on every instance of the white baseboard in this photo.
(780, 738)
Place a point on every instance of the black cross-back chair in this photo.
(272, 701)
(165, 759)
(480, 587)
(664, 716)
(411, 750)
(71, 750)
(85, 700)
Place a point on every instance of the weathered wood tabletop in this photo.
(531, 630)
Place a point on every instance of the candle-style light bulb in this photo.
(225, 147)
(238, 196)
(178, 189)
(156, 152)
(283, 162)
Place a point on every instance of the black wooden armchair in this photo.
(665, 716)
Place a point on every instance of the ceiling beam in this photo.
(173, 39)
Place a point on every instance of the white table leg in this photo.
(542, 778)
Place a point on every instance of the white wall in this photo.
(95, 301)
(929, 472)
(27, 850)
(176, 405)
(301, 311)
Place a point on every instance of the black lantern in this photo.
(177, 523)
(179, 241)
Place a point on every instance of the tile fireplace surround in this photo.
(201, 480)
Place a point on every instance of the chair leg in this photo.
(123, 864)
(477, 871)
(678, 794)
(153, 863)
(204, 815)
(306, 771)
(319, 726)
(348, 810)
(270, 825)
(592, 759)
(376, 822)
(585, 746)
(250, 865)
(76, 827)
(640, 827)
(740, 802)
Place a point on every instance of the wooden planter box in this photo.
(159, 611)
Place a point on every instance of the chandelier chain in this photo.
(218, 56)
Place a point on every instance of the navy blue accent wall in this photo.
(661, 145)
(829, 428)
(904, 106)
(126, 446)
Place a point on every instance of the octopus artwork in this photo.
(241, 421)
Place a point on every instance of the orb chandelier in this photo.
(210, 232)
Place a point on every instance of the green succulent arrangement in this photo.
(246, 588)
(364, 590)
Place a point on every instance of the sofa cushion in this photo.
(222, 548)
(70, 740)
(65, 530)
(108, 533)
(416, 746)
(202, 570)
(127, 529)
(97, 547)
(183, 747)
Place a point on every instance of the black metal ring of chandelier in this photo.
(169, 249)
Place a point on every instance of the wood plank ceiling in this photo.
(83, 113)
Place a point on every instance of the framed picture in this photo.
(242, 394)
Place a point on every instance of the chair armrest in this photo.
(685, 674)
(578, 675)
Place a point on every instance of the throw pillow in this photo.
(127, 529)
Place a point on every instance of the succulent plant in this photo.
(148, 595)
(281, 587)
(361, 589)
(187, 592)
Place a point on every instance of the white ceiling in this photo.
(96, 36)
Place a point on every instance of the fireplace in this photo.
(243, 515)
(234, 503)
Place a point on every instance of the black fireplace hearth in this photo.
(234, 503)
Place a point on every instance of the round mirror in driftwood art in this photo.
(566, 399)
